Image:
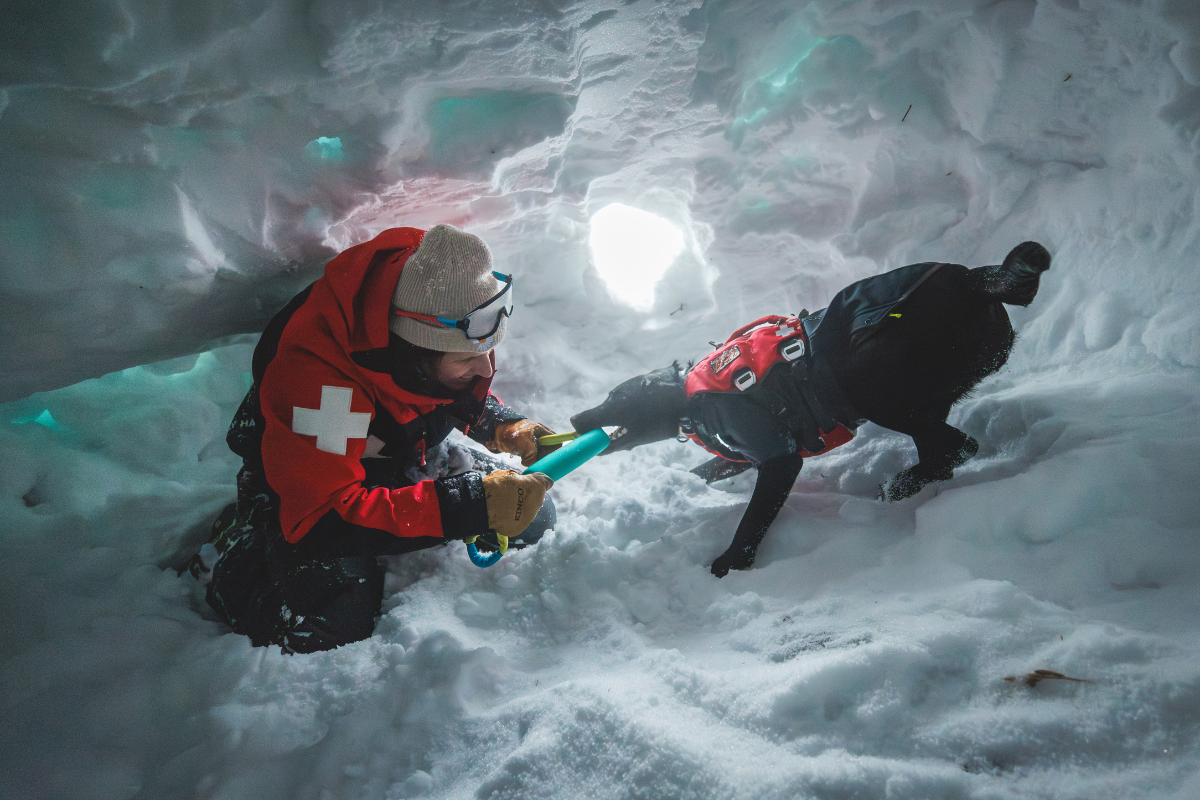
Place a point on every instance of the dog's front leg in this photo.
(775, 480)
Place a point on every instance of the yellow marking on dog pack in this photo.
(897, 316)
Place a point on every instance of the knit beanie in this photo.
(449, 276)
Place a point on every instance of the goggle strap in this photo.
(449, 323)
(464, 324)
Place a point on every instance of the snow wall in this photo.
(173, 172)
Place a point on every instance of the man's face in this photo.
(457, 370)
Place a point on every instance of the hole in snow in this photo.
(632, 249)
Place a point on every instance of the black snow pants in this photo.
(268, 590)
(302, 605)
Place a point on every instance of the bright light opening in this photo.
(632, 249)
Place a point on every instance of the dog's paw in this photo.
(901, 486)
(913, 480)
(729, 561)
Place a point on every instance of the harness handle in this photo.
(769, 319)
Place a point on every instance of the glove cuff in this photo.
(463, 505)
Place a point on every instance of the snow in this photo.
(173, 172)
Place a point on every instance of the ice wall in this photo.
(172, 172)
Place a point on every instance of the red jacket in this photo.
(317, 404)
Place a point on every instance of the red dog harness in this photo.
(746, 357)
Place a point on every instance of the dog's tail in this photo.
(1015, 282)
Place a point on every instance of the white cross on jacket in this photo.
(333, 423)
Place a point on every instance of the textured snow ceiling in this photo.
(171, 172)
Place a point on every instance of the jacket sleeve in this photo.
(494, 413)
(333, 537)
(315, 422)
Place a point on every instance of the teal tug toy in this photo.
(563, 461)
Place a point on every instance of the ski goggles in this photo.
(482, 322)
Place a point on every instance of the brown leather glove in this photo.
(513, 500)
(520, 439)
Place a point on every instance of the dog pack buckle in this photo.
(744, 378)
(791, 350)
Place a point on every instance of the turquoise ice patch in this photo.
(325, 148)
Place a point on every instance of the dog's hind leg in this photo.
(940, 448)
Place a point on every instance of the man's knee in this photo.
(319, 605)
(348, 617)
(543, 521)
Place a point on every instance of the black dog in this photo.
(898, 349)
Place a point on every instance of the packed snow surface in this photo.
(171, 172)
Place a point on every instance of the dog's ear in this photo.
(647, 407)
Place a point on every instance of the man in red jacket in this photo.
(357, 382)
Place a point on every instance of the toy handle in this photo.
(571, 455)
(558, 464)
(479, 559)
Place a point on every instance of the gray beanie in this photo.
(449, 276)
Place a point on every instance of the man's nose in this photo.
(481, 365)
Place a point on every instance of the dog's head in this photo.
(647, 407)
